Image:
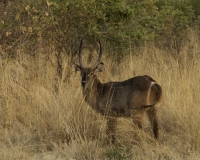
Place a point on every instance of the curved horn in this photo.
(100, 55)
(80, 54)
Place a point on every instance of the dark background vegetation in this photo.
(119, 24)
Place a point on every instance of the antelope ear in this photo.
(99, 68)
(76, 67)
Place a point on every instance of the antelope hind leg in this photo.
(152, 114)
(137, 117)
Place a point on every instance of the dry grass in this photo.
(37, 123)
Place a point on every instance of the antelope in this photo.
(129, 98)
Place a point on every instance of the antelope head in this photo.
(88, 74)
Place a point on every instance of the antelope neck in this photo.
(91, 91)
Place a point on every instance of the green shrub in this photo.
(121, 23)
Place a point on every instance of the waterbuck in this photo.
(130, 98)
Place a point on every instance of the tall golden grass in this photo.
(38, 123)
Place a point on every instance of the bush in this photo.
(120, 24)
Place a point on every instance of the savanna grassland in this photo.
(42, 112)
(39, 122)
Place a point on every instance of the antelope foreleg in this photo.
(111, 128)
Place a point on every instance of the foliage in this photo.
(120, 24)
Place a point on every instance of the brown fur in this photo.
(130, 98)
